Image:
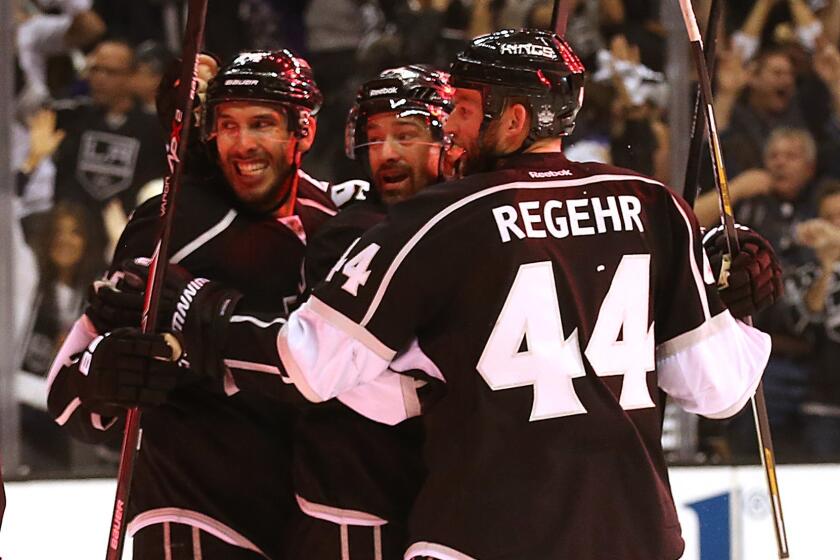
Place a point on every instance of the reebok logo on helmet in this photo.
(529, 49)
(383, 91)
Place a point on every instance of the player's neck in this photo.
(546, 145)
(288, 207)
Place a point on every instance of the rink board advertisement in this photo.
(724, 511)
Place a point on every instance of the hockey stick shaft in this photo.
(175, 153)
(691, 185)
(560, 16)
(765, 440)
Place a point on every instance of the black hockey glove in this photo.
(118, 301)
(196, 310)
(753, 280)
(126, 368)
(200, 322)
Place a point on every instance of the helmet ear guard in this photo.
(304, 119)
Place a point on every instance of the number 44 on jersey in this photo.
(550, 363)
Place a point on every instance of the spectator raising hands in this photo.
(43, 139)
(732, 78)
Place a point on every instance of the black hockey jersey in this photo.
(347, 468)
(554, 298)
(220, 462)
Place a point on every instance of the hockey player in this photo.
(213, 477)
(395, 129)
(552, 297)
(355, 479)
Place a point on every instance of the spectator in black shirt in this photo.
(111, 146)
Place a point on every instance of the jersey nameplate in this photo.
(577, 216)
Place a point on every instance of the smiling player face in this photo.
(256, 152)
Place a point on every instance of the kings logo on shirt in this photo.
(106, 163)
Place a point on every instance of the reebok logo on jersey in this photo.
(529, 49)
(548, 174)
(383, 91)
(539, 219)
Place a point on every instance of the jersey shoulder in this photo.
(336, 235)
(200, 205)
(315, 194)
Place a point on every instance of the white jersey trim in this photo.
(695, 270)
(410, 398)
(229, 384)
(415, 239)
(686, 340)
(413, 357)
(389, 399)
(193, 245)
(337, 515)
(349, 326)
(96, 421)
(317, 205)
(434, 550)
(80, 335)
(255, 366)
(323, 185)
(193, 519)
(714, 369)
(257, 322)
(295, 374)
(68, 411)
(324, 362)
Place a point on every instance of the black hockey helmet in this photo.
(416, 90)
(277, 77)
(533, 64)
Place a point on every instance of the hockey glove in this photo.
(196, 310)
(126, 368)
(118, 301)
(753, 280)
(200, 322)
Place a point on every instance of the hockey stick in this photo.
(765, 440)
(175, 153)
(691, 185)
(560, 16)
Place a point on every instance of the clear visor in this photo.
(400, 139)
(397, 142)
(266, 127)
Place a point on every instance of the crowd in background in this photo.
(88, 148)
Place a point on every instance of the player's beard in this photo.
(395, 182)
(480, 154)
(264, 195)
